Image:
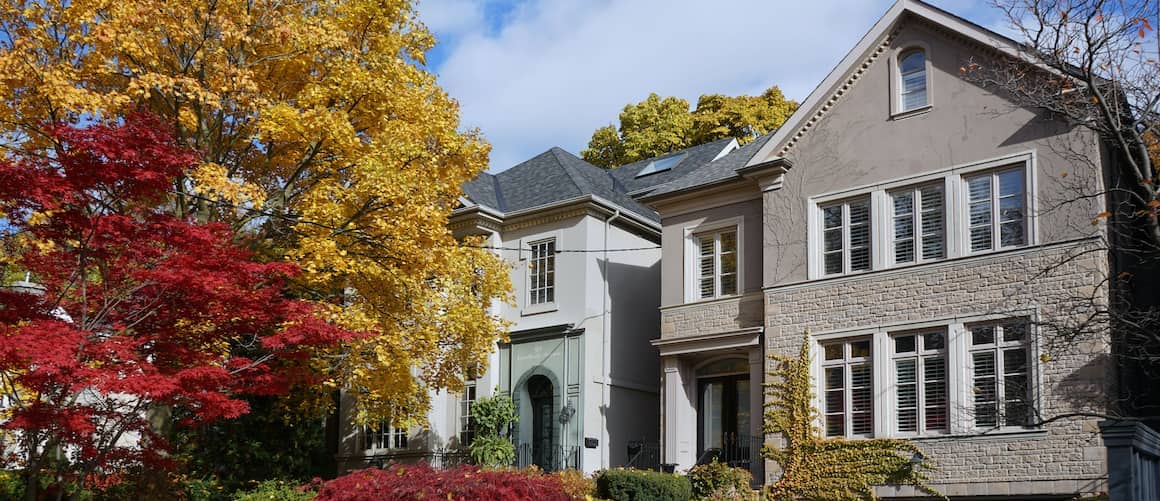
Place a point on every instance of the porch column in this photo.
(680, 416)
(756, 411)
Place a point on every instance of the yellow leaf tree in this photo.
(659, 125)
(323, 136)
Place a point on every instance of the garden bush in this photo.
(576, 484)
(468, 483)
(719, 482)
(642, 485)
(276, 490)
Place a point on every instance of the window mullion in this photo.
(847, 267)
(996, 241)
(716, 265)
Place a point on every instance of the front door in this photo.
(723, 420)
(543, 428)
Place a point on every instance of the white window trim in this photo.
(692, 290)
(526, 258)
(960, 407)
(892, 388)
(847, 393)
(875, 241)
(955, 206)
(890, 247)
(895, 67)
(390, 435)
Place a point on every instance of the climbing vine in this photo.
(815, 467)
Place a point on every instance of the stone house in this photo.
(922, 234)
(578, 363)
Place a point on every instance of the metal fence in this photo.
(553, 458)
(1133, 461)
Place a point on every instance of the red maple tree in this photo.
(136, 310)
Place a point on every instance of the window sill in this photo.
(539, 309)
(991, 434)
(707, 300)
(921, 110)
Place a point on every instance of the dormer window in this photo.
(912, 80)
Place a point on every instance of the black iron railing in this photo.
(736, 449)
(644, 455)
(552, 458)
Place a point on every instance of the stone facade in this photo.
(711, 317)
(1045, 283)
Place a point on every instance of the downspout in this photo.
(606, 350)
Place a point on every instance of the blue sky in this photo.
(532, 74)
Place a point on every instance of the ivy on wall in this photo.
(816, 467)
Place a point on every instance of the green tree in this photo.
(659, 125)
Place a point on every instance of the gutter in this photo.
(606, 351)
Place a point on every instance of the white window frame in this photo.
(996, 348)
(845, 363)
(917, 210)
(920, 355)
(397, 438)
(995, 221)
(692, 254)
(847, 268)
(897, 88)
(960, 397)
(466, 400)
(956, 209)
(525, 256)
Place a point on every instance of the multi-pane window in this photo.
(918, 218)
(383, 436)
(997, 209)
(846, 239)
(848, 374)
(716, 263)
(542, 272)
(466, 422)
(920, 379)
(1001, 373)
(912, 80)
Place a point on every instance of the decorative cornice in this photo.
(861, 70)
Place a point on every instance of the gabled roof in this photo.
(828, 91)
(694, 156)
(772, 146)
(550, 177)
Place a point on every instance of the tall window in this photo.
(1001, 373)
(997, 212)
(912, 80)
(848, 372)
(919, 233)
(466, 422)
(716, 263)
(846, 236)
(920, 379)
(384, 436)
(542, 272)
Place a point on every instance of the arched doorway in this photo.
(543, 421)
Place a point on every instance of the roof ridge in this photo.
(581, 184)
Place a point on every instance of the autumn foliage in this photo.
(137, 310)
(407, 482)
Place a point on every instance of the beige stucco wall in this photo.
(857, 143)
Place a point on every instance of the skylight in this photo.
(660, 165)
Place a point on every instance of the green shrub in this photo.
(276, 490)
(493, 416)
(642, 485)
(11, 485)
(720, 482)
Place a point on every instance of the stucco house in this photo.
(921, 230)
(585, 267)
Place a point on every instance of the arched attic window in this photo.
(912, 80)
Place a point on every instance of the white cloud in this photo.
(556, 70)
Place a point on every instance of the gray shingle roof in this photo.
(718, 170)
(696, 156)
(552, 176)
